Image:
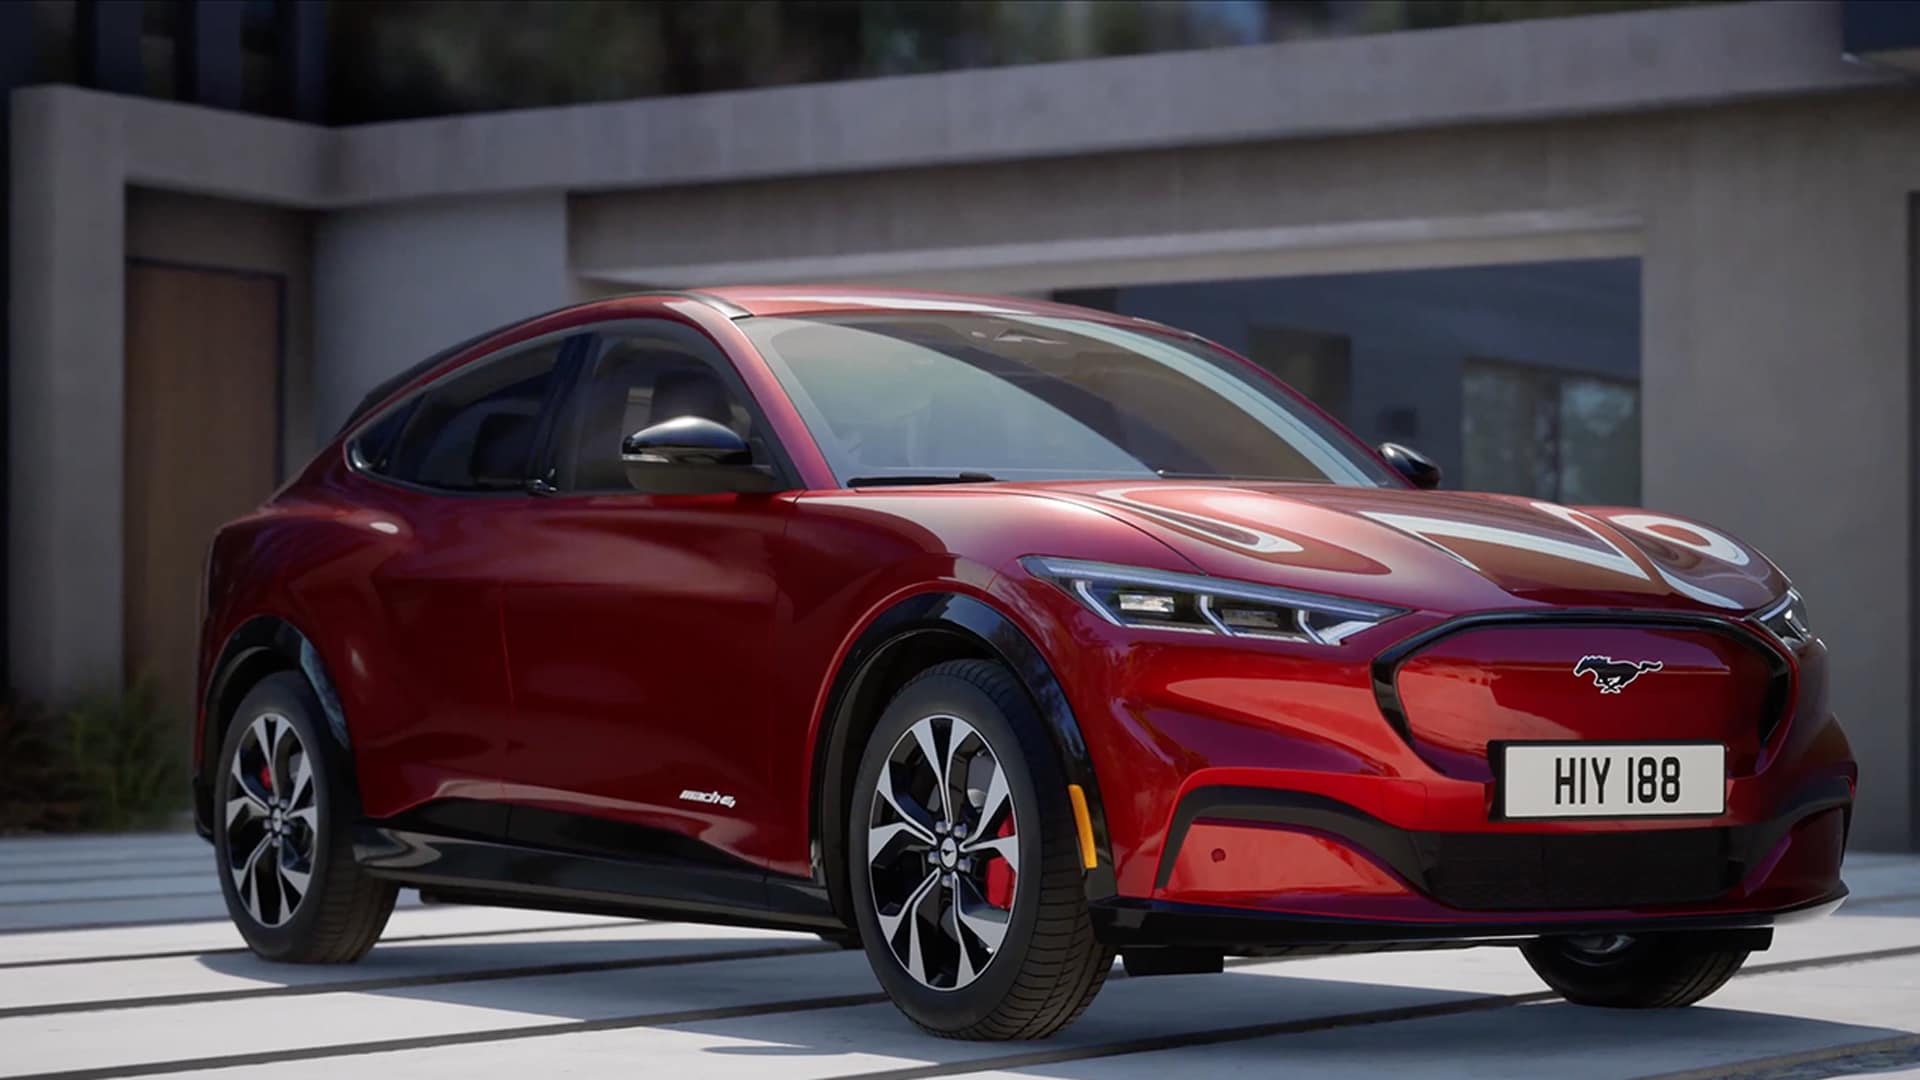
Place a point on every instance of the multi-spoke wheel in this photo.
(1654, 971)
(943, 852)
(286, 863)
(964, 868)
(273, 819)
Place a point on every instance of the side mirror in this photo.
(1417, 467)
(685, 440)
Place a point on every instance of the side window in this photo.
(636, 380)
(372, 449)
(475, 431)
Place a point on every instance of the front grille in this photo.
(1545, 871)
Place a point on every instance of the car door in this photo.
(637, 603)
(451, 464)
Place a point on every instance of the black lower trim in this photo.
(1125, 922)
(509, 875)
(1492, 871)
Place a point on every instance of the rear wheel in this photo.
(281, 811)
(964, 862)
(1655, 971)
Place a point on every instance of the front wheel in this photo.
(964, 866)
(281, 812)
(1617, 971)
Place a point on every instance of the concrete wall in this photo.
(395, 284)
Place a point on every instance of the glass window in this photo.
(1022, 397)
(1519, 378)
(638, 380)
(476, 430)
(372, 449)
(1553, 435)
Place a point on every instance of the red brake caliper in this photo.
(1000, 875)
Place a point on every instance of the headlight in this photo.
(1787, 620)
(1194, 603)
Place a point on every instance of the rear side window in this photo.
(475, 431)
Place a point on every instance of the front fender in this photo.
(928, 623)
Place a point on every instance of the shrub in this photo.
(128, 757)
(115, 759)
(37, 789)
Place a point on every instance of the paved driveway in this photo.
(116, 960)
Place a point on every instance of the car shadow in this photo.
(817, 1003)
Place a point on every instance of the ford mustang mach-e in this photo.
(994, 637)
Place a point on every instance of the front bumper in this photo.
(1253, 871)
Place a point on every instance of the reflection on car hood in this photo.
(1440, 551)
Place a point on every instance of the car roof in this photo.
(820, 299)
(747, 301)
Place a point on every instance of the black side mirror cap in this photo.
(685, 440)
(1418, 468)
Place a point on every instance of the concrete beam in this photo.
(1526, 70)
(1337, 247)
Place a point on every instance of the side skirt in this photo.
(504, 874)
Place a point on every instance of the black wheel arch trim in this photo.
(986, 630)
(262, 645)
(1385, 669)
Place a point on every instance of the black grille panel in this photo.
(1541, 872)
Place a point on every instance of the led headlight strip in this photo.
(1194, 603)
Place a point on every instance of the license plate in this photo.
(1574, 779)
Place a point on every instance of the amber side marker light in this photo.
(1089, 858)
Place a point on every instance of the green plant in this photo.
(126, 754)
(37, 788)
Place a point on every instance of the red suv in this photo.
(995, 637)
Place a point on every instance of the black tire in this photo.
(841, 939)
(1048, 966)
(342, 911)
(1657, 971)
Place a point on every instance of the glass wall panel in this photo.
(1521, 379)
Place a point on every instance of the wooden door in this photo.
(202, 448)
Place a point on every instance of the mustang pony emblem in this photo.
(1612, 676)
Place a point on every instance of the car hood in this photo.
(1439, 551)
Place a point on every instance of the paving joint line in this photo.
(402, 982)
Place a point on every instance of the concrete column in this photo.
(393, 285)
(1775, 390)
(65, 409)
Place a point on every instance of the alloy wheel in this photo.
(943, 852)
(273, 820)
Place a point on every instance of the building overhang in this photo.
(1527, 70)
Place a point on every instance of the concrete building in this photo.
(1667, 256)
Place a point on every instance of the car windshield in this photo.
(906, 397)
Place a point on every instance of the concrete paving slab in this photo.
(411, 921)
(153, 981)
(15, 893)
(484, 993)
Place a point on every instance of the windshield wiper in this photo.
(909, 479)
(1170, 474)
